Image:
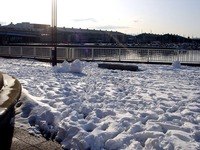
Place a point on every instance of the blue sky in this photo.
(127, 16)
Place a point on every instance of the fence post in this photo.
(21, 51)
(73, 54)
(66, 54)
(69, 55)
(148, 59)
(92, 53)
(9, 51)
(119, 54)
(34, 52)
(177, 55)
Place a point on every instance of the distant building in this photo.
(19, 33)
(73, 35)
(27, 33)
(41, 33)
(28, 26)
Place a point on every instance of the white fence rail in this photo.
(104, 54)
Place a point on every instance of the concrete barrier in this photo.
(116, 66)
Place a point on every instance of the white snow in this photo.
(176, 64)
(92, 108)
(75, 67)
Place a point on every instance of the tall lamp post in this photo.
(54, 32)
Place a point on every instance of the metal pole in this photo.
(54, 32)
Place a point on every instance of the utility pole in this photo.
(54, 33)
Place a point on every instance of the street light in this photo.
(54, 32)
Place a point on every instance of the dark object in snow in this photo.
(1, 81)
(118, 66)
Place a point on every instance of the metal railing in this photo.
(104, 54)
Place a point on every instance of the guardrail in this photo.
(104, 54)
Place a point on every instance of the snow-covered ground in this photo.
(157, 108)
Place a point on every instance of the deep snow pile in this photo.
(176, 64)
(158, 108)
(75, 67)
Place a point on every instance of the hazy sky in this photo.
(128, 16)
